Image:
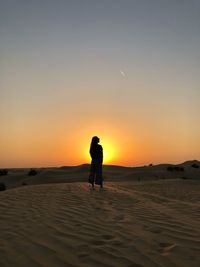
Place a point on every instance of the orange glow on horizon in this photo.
(69, 145)
(111, 140)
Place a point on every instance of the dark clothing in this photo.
(96, 173)
(95, 176)
(96, 153)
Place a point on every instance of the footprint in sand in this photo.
(108, 237)
(83, 251)
(102, 240)
(153, 229)
(117, 243)
(98, 242)
(165, 248)
(98, 208)
(78, 225)
(119, 217)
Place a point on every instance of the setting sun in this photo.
(110, 153)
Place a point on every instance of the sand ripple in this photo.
(59, 225)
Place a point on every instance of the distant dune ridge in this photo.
(18, 176)
(147, 217)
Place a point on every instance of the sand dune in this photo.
(17, 177)
(133, 224)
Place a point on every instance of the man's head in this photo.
(95, 139)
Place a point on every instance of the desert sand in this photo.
(146, 217)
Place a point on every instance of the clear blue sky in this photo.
(125, 70)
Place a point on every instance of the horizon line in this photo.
(114, 165)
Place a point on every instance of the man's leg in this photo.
(92, 175)
(99, 178)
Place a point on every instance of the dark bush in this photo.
(175, 168)
(2, 187)
(32, 172)
(170, 168)
(3, 172)
(194, 165)
(178, 169)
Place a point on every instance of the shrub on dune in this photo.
(170, 168)
(3, 172)
(175, 168)
(195, 166)
(32, 172)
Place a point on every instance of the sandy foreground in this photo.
(131, 223)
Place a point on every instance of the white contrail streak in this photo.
(122, 73)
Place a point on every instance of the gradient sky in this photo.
(127, 71)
